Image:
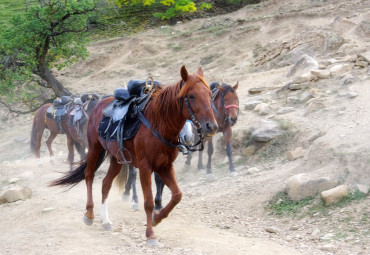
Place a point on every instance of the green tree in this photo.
(50, 35)
(172, 8)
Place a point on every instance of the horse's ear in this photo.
(200, 72)
(184, 73)
(236, 85)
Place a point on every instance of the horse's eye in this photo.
(191, 97)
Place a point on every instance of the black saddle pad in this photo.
(109, 131)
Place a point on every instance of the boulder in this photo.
(265, 130)
(301, 186)
(15, 193)
(304, 65)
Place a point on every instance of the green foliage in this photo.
(167, 8)
(49, 35)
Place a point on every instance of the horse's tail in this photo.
(34, 130)
(121, 178)
(77, 175)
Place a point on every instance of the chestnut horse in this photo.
(74, 137)
(225, 104)
(152, 149)
(186, 137)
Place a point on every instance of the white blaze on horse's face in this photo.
(186, 134)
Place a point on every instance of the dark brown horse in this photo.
(225, 104)
(74, 136)
(151, 149)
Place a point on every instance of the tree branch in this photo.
(25, 112)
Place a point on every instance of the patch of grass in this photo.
(281, 204)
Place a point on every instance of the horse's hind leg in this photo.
(170, 180)
(93, 156)
(158, 197)
(227, 137)
(135, 200)
(71, 152)
(113, 171)
(48, 144)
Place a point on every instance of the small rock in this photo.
(340, 69)
(364, 189)
(334, 195)
(283, 110)
(272, 230)
(48, 209)
(362, 64)
(262, 109)
(328, 247)
(295, 154)
(321, 74)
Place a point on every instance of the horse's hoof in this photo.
(152, 242)
(88, 221)
(134, 206)
(210, 177)
(202, 171)
(125, 198)
(233, 173)
(107, 226)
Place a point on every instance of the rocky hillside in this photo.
(303, 71)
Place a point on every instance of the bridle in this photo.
(184, 148)
(226, 118)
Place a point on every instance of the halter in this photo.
(226, 116)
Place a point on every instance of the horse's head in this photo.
(196, 95)
(230, 102)
(186, 135)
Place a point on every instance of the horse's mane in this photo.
(91, 105)
(165, 104)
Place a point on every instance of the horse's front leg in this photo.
(169, 178)
(126, 193)
(227, 137)
(113, 170)
(188, 158)
(210, 153)
(146, 185)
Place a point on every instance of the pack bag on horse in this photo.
(186, 137)
(54, 117)
(225, 104)
(153, 148)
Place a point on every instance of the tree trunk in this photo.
(45, 73)
(53, 83)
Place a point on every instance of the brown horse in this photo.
(225, 104)
(74, 137)
(152, 149)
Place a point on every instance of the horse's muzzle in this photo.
(233, 121)
(209, 128)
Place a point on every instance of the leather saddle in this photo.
(124, 97)
(59, 108)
